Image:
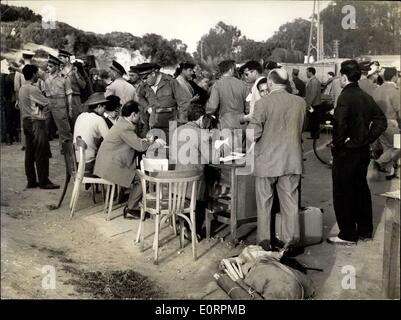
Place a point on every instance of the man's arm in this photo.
(37, 96)
(136, 143)
(213, 103)
(257, 122)
(68, 93)
(379, 121)
(340, 128)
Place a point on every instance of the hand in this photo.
(150, 138)
(16, 106)
(309, 109)
(195, 98)
(159, 143)
(149, 110)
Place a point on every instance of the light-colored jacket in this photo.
(387, 96)
(313, 92)
(115, 158)
(277, 122)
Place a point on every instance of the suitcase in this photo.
(310, 223)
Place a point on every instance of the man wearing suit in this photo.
(227, 98)
(115, 158)
(313, 101)
(387, 96)
(277, 125)
(358, 122)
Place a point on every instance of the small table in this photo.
(391, 252)
(243, 199)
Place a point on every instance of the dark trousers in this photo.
(37, 151)
(314, 120)
(351, 194)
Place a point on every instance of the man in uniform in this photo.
(120, 87)
(158, 96)
(58, 88)
(77, 82)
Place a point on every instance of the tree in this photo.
(220, 43)
(377, 27)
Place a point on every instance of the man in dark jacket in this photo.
(358, 121)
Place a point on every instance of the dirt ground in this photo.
(34, 238)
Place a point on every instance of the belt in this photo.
(58, 96)
(165, 110)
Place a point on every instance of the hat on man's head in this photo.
(54, 60)
(147, 67)
(95, 99)
(117, 67)
(272, 65)
(27, 54)
(64, 53)
(134, 69)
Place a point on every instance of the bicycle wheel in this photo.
(321, 144)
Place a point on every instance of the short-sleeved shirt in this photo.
(91, 127)
(122, 89)
(57, 86)
(32, 102)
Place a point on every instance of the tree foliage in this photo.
(377, 27)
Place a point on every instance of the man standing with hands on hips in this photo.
(358, 122)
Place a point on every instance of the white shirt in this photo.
(253, 97)
(91, 127)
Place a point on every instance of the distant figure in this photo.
(387, 96)
(299, 84)
(313, 101)
(368, 77)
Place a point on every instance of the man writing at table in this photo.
(277, 124)
(115, 160)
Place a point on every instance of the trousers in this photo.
(351, 194)
(287, 191)
(37, 151)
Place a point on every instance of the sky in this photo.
(186, 20)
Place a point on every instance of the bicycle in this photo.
(322, 143)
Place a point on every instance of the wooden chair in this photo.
(169, 204)
(81, 178)
(71, 168)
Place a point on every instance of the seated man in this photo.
(112, 110)
(115, 159)
(194, 153)
(92, 127)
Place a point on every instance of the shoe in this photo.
(31, 185)
(337, 240)
(135, 214)
(50, 185)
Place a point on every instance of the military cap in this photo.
(27, 54)
(54, 59)
(147, 67)
(64, 53)
(134, 69)
(117, 67)
(96, 98)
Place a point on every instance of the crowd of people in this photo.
(121, 114)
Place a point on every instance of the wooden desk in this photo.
(391, 252)
(243, 199)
